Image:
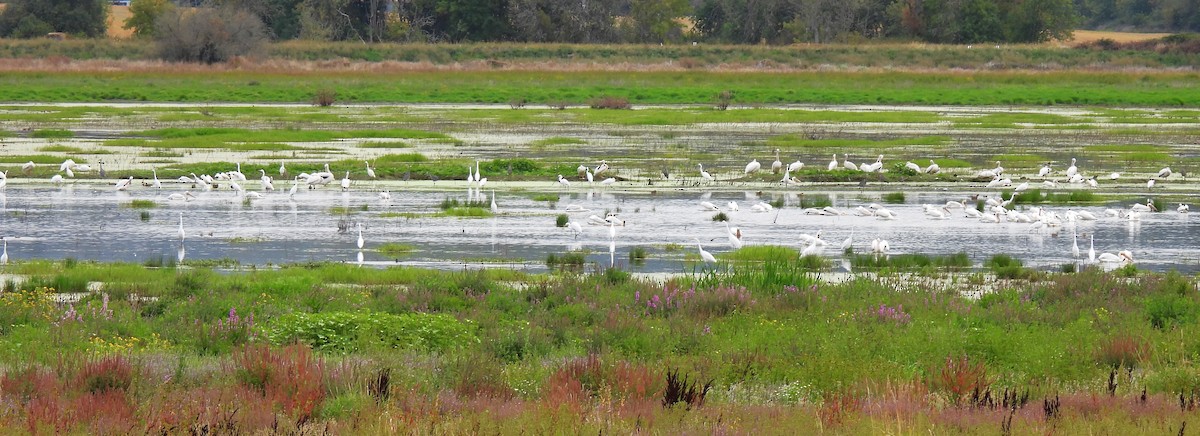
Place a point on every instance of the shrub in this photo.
(324, 97)
(290, 377)
(681, 390)
(960, 376)
(107, 374)
(1123, 351)
(609, 102)
(561, 220)
(208, 35)
(1168, 310)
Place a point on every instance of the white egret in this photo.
(123, 184)
(733, 206)
(237, 175)
(575, 227)
(70, 173)
(479, 178)
(706, 256)
(292, 192)
(590, 176)
(360, 241)
(612, 230)
(778, 164)
(1045, 171)
(833, 164)
(849, 242)
(1091, 248)
(346, 182)
(495, 209)
(385, 195)
(1150, 184)
(157, 184)
(752, 166)
(267, 180)
(470, 175)
(735, 236)
(1072, 170)
(705, 174)
(933, 168)
(182, 235)
(1074, 244)
(4, 256)
(370, 171)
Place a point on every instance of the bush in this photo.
(208, 35)
(344, 331)
(324, 97)
(609, 102)
(561, 220)
(36, 18)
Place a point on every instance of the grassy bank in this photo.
(580, 87)
(405, 349)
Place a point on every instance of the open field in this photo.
(410, 350)
(1082, 36)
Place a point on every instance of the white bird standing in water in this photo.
(182, 235)
(4, 256)
(563, 181)
(266, 181)
(706, 256)
(704, 174)
(495, 209)
(360, 241)
(346, 182)
(28, 167)
(157, 184)
(778, 164)
(370, 171)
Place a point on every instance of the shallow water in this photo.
(95, 222)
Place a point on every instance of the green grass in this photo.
(1012, 119)
(59, 148)
(690, 87)
(794, 141)
(759, 253)
(557, 140)
(395, 249)
(1037, 196)
(910, 262)
(52, 134)
(143, 204)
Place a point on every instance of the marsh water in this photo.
(96, 222)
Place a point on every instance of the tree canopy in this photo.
(36, 18)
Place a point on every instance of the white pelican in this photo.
(795, 166)
(778, 164)
(833, 163)
(57, 178)
(28, 167)
(575, 227)
(1183, 208)
(562, 181)
(66, 165)
(1045, 171)
(912, 166)
(752, 166)
(972, 212)
(609, 181)
(1023, 186)
(70, 173)
(1049, 183)
(601, 168)
(282, 169)
(1084, 215)
(180, 197)
(847, 164)
(370, 171)
(849, 242)
(123, 184)
(706, 256)
(385, 195)
(933, 168)
(1164, 173)
(733, 206)
(1072, 170)
(708, 206)
(581, 169)
(346, 182)
(1150, 184)
(1114, 176)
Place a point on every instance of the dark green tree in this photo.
(466, 20)
(980, 22)
(36, 18)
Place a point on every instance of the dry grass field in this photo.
(116, 20)
(1082, 36)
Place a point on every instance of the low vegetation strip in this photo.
(688, 87)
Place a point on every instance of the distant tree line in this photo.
(622, 21)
